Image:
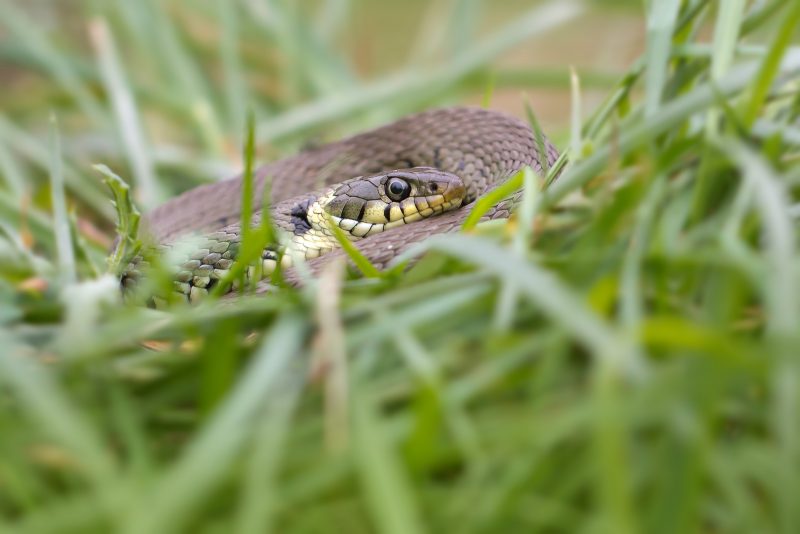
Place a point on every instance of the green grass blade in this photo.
(127, 115)
(61, 226)
(773, 205)
(726, 36)
(771, 65)
(128, 218)
(487, 201)
(355, 255)
(538, 136)
(576, 116)
(661, 22)
(261, 489)
(525, 215)
(237, 95)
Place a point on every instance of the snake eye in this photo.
(398, 189)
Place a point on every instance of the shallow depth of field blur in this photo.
(622, 356)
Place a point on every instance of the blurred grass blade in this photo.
(324, 70)
(249, 153)
(635, 134)
(526, 212)
(388, 492)
(773, 206)
(576, 116)
(261, 490)
(488, 92)
(770, 66)
(184, 488)
(661, 20)
(11, 173)
(726, 36)
(415, 84)
(237, 96)
(330, 357)
(61, 226)
(525, 215)
(418, 313)
(631, 301)
(536, 284)
(612, 450)
(127, 115)
(538, 136)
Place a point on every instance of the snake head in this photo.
(371, 204)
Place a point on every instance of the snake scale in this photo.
(388, 188)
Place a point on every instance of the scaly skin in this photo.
(483, 148)
(361, 207)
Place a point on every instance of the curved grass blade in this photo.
(355, 255)
(487, 201)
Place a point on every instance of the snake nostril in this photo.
(434, 187)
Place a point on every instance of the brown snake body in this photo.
(481, 147)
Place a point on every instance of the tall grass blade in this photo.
(61, 225)
(662, 18)
(127, 115)
(771, 64)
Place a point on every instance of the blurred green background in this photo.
(620, 357)
(309, 70)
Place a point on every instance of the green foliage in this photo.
(622, 356)
(128, 218)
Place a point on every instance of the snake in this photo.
(386, 189)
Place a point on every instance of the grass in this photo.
(622, 356)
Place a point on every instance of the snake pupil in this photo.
(398, 189)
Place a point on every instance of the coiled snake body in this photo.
(388, 188)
